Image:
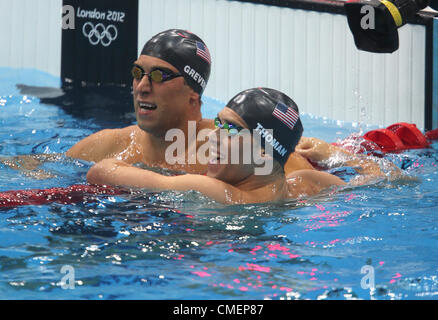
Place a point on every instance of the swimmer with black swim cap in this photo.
(252, 111)
(169, 78)
(263, 108)
(273, 119)
(186, 52)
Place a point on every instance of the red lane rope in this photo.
(432, 134)
(72, 194)
(395, 138)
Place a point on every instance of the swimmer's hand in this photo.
(28, 165)
(315, 150)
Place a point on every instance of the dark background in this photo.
(84, 62)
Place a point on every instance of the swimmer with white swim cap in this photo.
(255, 110)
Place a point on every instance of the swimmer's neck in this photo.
(158, 143)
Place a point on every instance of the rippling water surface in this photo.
(174, 245)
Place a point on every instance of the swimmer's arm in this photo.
(325, 154)
(28, 161)
(98, 146)
(310, 182)
(328, 155)
(118, 173)
(368, 169)
(28, 164)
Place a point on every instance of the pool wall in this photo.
(303, 48)
(30, 33)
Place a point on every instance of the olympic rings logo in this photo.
(99, 33)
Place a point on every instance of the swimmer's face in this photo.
(161, 106)
(222, 166)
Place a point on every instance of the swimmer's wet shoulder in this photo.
(103, 144)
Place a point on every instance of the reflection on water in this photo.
(182, 245)
(145, 245)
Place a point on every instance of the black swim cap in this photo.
(263, 109)
(186, 52)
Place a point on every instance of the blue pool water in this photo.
(174, 245)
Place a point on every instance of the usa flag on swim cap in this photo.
(202, 51)
(286, 114)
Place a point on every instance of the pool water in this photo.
(182, 245)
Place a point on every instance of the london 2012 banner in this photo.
(99, 41)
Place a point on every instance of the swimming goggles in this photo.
(157, 74)
(232, 129)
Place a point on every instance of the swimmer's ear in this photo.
(195, 99)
